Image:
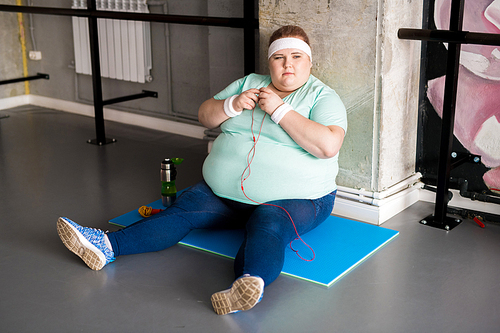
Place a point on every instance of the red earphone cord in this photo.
(243, 178)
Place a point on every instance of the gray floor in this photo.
(426, 280)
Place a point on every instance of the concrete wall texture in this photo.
(398, 96)
(11, 61)
(355, 51)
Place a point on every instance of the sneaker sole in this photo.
(79, 245)
(245, 293)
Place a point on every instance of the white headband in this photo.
(288, 43)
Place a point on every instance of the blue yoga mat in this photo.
(340, 246)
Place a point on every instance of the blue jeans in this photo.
(268, 229)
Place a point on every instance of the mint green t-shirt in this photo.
(280, 169)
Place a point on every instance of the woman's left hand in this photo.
(269, 101)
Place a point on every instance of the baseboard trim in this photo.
(379, 213)
(391, 206)
(110, 114)
(12, 102)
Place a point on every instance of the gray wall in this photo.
(11, 62)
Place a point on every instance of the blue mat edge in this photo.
(362, 260)
(328, 285)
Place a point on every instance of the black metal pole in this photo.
(446, 36)
(96, 79)
(145, 93)
(27, 78)
(448, 118)
(249, 36)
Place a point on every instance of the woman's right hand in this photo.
(246, 100)
(211, 113)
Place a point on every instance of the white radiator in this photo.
(124, 46)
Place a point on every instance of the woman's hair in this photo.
(289, 31)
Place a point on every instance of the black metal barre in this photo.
(455, 37)
(248, 23)
(230, 22)
(27, 78)
(145, 93)
(446, 36)
(22, 79)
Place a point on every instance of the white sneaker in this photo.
(243, 295)
(87, 243)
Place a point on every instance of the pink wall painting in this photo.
(477, 118)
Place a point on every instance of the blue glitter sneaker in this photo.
(87, 243)
(243, 295)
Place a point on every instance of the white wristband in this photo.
(280, 112)
(228, 107)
